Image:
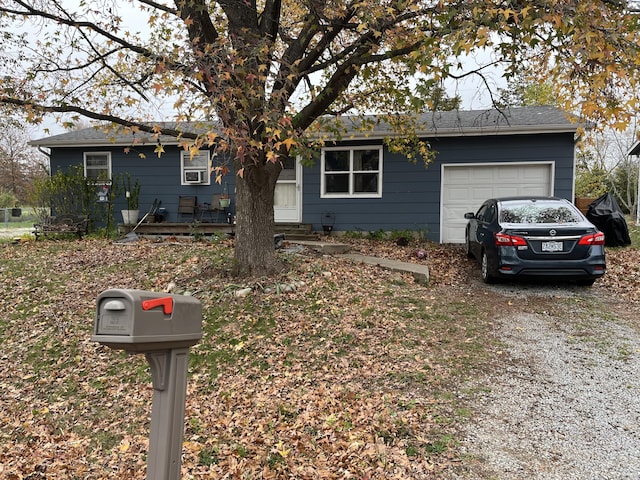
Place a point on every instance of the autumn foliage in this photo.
(354, 374)
(277, 76)
(338, 379)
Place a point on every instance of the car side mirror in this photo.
(469, 215)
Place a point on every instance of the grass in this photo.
(17, 223)
(634, 231)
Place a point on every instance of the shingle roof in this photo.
(512, 117)
(105, 135)
(510, 121)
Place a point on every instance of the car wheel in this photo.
(467, 242)
(487, 277)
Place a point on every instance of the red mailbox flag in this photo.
(165, 302)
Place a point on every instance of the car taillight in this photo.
(504, 240)
(592, 239)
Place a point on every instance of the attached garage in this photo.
(478, 154)
(465, 186)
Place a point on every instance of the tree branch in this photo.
(198, 22)
(145, 127)
(30, 11)
(349, 61)
(269, 20)
(159, 6)
(296, 54)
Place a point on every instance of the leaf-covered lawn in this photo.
(351, 375)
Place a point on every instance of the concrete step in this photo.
(295, 231)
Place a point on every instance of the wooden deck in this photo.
(204, 228)
(171, 228)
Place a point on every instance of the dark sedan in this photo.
(534, 237)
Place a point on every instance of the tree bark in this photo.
(254, 244)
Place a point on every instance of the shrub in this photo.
(7, 199)
(66, 192)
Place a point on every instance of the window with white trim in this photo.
(194, 169)
(351, 172)
(97, 166)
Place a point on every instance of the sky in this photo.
(471, 89)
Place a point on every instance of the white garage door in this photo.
(465, 187)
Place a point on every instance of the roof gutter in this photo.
(466, 132)
(101, 142)
(635, 149)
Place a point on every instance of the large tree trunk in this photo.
(254, 245)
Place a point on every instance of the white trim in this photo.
(573, 177)
(203, 170)
(489, 131)
(299, 203)
(351, 172)
(297, 218)
(635, 148)
(550, 163)
(109, 167)
(352, 135)
(635, 151)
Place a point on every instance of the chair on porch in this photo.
(213, 208)
(187, 206)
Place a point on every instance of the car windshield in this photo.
(538, 211)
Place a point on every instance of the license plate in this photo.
(551, 246)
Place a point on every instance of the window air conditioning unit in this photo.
(194, 176)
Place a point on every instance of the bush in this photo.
(66, 193)
(7, 199)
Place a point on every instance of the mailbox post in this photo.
(162, 327)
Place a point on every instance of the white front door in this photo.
(288, 193)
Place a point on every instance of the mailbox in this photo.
(139, 321)
(163, 327)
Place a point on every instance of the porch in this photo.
(292, 231)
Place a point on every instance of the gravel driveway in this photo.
(564, 402)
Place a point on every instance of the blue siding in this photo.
(411, 192)
(159, 176)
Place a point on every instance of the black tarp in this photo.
(605, 213)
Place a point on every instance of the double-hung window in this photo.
(97, 166)
(194, 169)
(351, 172)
